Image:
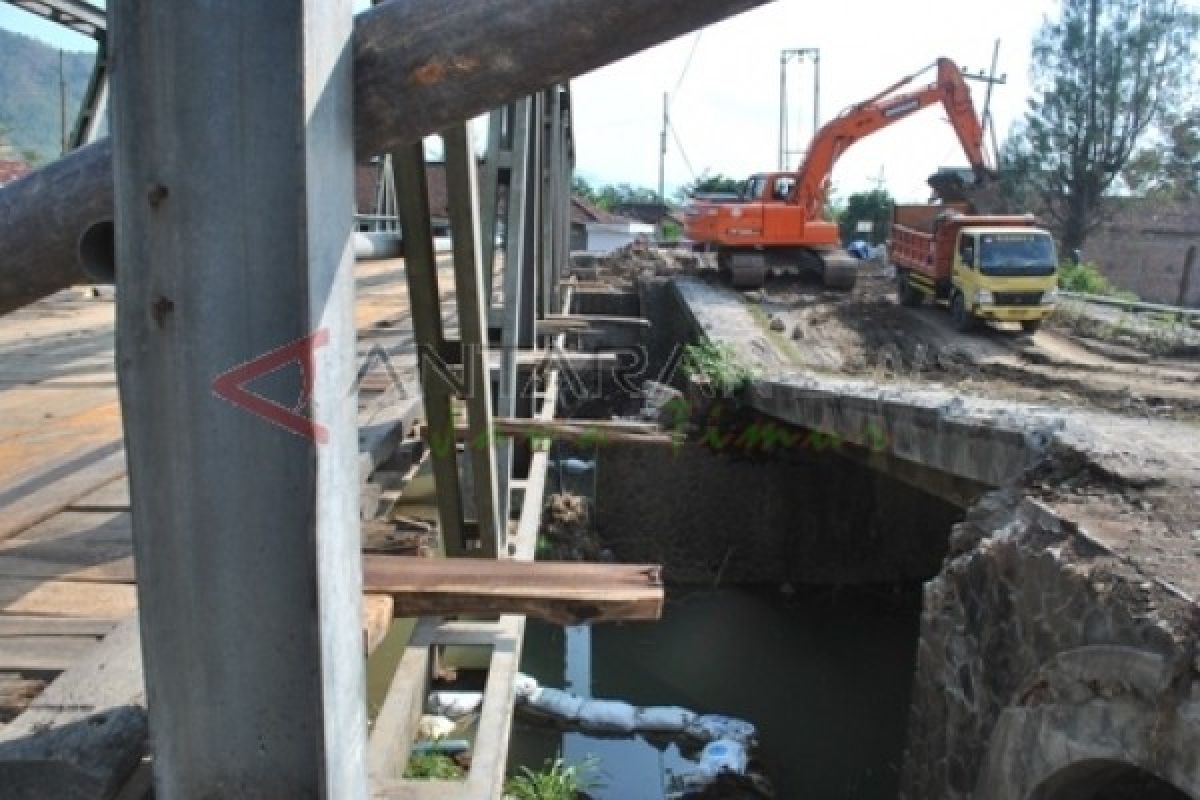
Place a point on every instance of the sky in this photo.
(726, 111)
(725, 106)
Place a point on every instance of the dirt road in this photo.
(867, 333)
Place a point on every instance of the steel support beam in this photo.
(463, 199)
(424, 299)
(234, 196)
(446, 62)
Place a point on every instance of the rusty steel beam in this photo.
(419, 68)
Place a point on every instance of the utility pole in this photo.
(988, 123)
(799, 55)
(662, 152)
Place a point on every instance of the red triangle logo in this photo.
(231, 386)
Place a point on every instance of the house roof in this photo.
(583, 212)
(11, 170)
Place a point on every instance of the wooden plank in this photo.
(559, 592)
(87, 732)
(41, 496)
(584, 431)
(54, 626)
(113, 496)
(573, 322)
(377, 618)
(16, 693)
(42, 653)
(66, 598)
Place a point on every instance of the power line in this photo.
(686, 161)
(687, 64)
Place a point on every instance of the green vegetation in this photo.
(875, 207)
(1088, 279)
(609, 197)
(29, 102)
(433, 767)
(718, 363)
(556, 781)
(710, 183)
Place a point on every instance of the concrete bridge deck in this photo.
(1059, 639)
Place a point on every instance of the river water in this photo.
(824, 673)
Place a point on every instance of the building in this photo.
(595, 230)
(1146, 247)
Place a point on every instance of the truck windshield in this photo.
(1017, 253)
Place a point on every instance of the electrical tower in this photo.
(800, 57)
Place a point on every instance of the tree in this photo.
(709, 183)
(1169, 170)
(610, 196)
(1104, 73)
(875, 207)
(581, 188)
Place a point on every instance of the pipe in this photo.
(377, 246)
(419, 67)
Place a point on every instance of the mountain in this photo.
(29, 94)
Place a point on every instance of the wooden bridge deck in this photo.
(65, 533)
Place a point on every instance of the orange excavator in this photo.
(778, 220)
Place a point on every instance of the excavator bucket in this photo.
(955, 186)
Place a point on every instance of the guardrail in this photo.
(1131, 305)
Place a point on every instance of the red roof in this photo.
(11, 170)
(583, 212)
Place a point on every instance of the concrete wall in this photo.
(1042, 659)
(809, 517)
(1143, 249)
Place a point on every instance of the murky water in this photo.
(825, 675)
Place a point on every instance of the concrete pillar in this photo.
(235, 346)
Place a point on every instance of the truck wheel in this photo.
(963, 321)
(909, 295)
(1031, 325)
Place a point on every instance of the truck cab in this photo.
(1004, 274)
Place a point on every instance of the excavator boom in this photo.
(880, 111)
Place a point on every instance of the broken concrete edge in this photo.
(993, 442)
(1034, 635)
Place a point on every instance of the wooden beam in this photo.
(573, 322)
(584, 431)
(559, 592)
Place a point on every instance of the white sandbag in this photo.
(710, 727)
(525, 686)
(453, 704)
(608, 716)
(556, 703)
(723, 755)
(665, 719)
(433, 726)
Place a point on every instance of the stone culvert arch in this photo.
(1047, 664)
(1097, 723)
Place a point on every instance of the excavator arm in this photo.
(880, 111)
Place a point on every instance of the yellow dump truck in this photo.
(984, 268)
